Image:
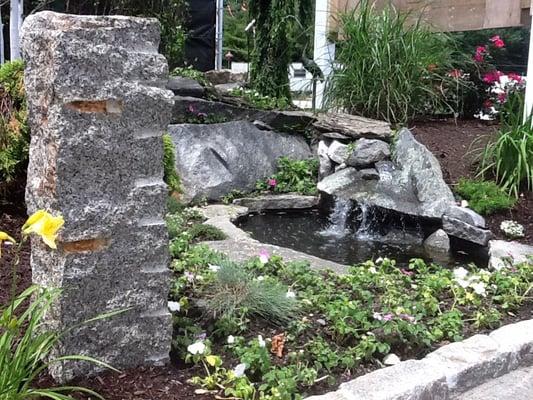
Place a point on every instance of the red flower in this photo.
(487, 103)
(272, 182)
(502, 97)
(497, 42)
(481, 51)
(492, 76)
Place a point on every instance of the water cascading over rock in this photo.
(409, 183)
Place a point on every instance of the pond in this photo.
(352, 238)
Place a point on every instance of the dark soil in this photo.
(11, 224)
(456, 145)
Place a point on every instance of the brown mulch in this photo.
(455, 144)
(11, 224)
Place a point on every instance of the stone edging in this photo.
(447, 372)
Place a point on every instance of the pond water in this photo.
(347, 239)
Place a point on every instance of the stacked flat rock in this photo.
(97, 111)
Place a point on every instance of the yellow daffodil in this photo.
(45, 225)
(4, 237)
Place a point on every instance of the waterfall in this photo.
(338, 219)
(367, 218)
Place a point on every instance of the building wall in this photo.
(452, 15)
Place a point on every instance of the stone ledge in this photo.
(278, 202)
(447, 372)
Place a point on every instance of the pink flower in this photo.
(388, 317)
(189, 276)
(406, 272)
(497, 42)
(264, 256)
(492, 77)
(515, 77)
(481, 51)
(502, 97)
(191, 109)
(272, 182)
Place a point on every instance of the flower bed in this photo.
(268, 329)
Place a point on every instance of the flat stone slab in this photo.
(242, 249)
(516, 385)
(278, 202)
(354, 126)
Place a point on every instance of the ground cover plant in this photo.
(484, 197)
(388, 68)
(313, 329)
(298, 176)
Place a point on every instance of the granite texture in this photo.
(97, 114)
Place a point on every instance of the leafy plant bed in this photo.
(267, 329)
(454, 143)
(345, 303)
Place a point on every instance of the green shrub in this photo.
(235, 291)
(298, 176)
(171, 177)
(484, 197)
(14, 131)
(509, 156)
(387, 67)
(262, 102)
(190, 72)
(204, 232)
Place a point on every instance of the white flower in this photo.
(199, 277)
(260, 278)
(464, 203)
(379, 260)
(464, 283)
(377, 316)
(261, 341)
(196, 348)
(174, 306)
(238, 371)
(460, 273)
(214, 268)
(231, 339)
(290, 294)
(479, 288)
(264, 256)
(372, 270)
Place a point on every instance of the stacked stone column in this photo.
(97, 110)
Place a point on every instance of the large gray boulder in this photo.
(368, 152)
(215, 159)
(422, 169)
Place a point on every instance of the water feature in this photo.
(338, 219)
(348, 234)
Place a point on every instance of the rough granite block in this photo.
(97, 110)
